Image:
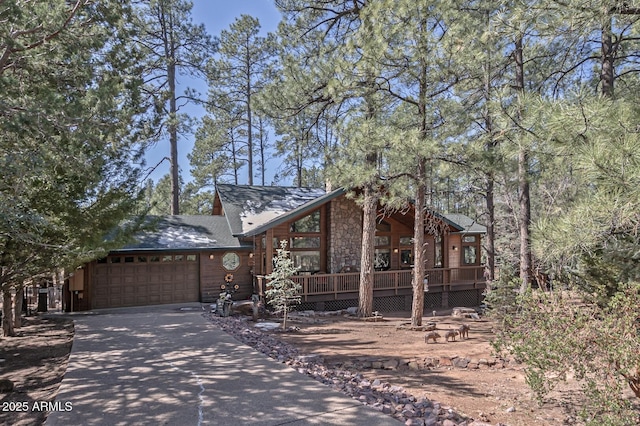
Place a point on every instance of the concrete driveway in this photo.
(168, 365)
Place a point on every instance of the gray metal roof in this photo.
(466, 224)
(184, 232)
(250, 210)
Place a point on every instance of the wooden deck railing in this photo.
(325, 284)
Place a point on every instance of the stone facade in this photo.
(345, 235)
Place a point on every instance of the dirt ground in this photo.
(35, 361)
(489, 394)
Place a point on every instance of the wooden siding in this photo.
(453, 251)
(212, 274)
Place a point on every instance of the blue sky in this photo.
(216, 15)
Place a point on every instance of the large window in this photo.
(437, 261)
(310, 223)
(406, 252)
(470, 250)
(307, 261)
(382, 253)
(305, 243)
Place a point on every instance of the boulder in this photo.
(6, 386)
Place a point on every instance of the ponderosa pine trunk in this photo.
(7, 313)
(173, 140)
(417, 305)
(524, 198)
(607, 66)
(490, 146)
(17, 308)
(369, 207)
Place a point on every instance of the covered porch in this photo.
(345, 286)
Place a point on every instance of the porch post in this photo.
(445, 250)
(269, 251)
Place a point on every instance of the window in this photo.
(115, 260)
(406, 253)
(179, 258)
(154, 259)
(310, 223)
(306, 261)
(406, 241)
(470, 250)
(382, 240)
(192, 258)
(469, 255)
(129, 259)
(406, 257)
(142, 259)
(382, 259)
(230, 261)
(305, 242)
(382, 253)
(437, 261)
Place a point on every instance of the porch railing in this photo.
(320, 284)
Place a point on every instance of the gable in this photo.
(464, 224)
(250, 210)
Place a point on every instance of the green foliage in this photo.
(558, 335)
(217, 155)
(592, 234)
(193, 201)
(71, 119)
(233, 132)
(282, 291)
(501, 296)
(171, 45)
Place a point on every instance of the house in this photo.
(186, 258)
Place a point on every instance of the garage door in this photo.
(121, 281)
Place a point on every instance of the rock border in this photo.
(432, 363)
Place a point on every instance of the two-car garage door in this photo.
(137, 280)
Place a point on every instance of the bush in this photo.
(559, 333)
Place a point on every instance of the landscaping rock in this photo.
(6, 386)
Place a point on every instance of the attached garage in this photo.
(137, 280)
(177, 259)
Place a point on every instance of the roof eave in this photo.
(310, 205)
(181, 249)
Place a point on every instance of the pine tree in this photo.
(215, 156)
(71, 119)
(235, 78)
(329, 81)
(172, 45)
(407, 50)
(282, 291)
